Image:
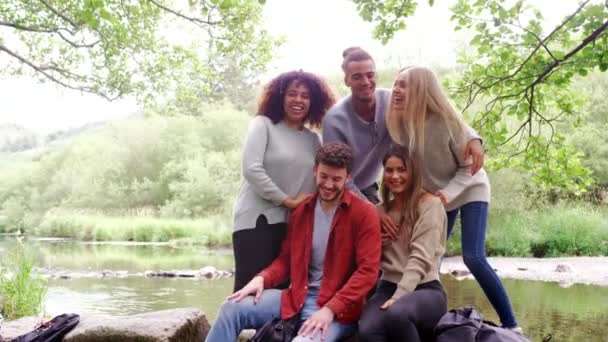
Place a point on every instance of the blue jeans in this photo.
(234, 317)
(474, 221)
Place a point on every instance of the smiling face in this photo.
(396, 175)
(361, 79)
(296, 103)
(399, 95)
(330, 181)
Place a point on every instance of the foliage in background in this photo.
(177, 167)
(526, 222)
(22, 290)
(516, 80)
(172, 177)
(150, 48)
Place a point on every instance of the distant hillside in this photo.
(15, 139)
(62, 136)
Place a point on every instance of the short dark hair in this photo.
(354, 54)
(335, 154)
(273, 96)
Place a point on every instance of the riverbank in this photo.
(565, 271)
(553, 231)
(211, 231)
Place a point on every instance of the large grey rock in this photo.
(188, 324)
(176, 325)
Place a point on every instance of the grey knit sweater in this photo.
(277, 163)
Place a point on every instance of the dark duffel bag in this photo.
(51, 331)
(468, 325)
(277, 330)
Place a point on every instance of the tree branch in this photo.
(198, 21)
(27, 28)
(43, 70)
(60, 15)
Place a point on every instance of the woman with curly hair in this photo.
(277, 162)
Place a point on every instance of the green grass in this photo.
(212, 231)
(22, 290)
(569, 229)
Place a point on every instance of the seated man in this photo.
(331, 256)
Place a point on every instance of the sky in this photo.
(317, 31)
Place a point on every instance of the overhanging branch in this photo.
(43, 70)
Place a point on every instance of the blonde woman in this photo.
(421, 117)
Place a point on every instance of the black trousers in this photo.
(411, 318)
(254, 249)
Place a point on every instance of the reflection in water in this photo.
(125, 296)
(578, 313)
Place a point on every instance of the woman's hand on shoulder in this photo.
(389, 230)
(439, 194)
(474, 150)
(292, 203)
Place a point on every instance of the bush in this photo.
(571, 231)
(22, 290)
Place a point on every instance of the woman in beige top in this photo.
(409, 300)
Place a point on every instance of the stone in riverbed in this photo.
(563, 268)
(208, 272)
(460, 273)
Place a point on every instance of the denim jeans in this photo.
(236, 316)
(474, 221)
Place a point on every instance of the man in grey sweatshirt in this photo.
(359, 121)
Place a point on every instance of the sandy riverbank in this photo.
(566, 271)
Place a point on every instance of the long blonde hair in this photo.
(413, 189)
(424, 97)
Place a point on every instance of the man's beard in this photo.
(336, 195)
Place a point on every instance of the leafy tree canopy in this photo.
(145, 48)
(516, 83)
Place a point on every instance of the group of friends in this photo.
(315, 236)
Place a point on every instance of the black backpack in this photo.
(468, 325)
(277, 330)
(51, 331)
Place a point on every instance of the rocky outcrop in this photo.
(187, 325)
(207, 272)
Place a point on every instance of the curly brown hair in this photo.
(335, 154)
(273, 96)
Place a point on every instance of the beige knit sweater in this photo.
(414, 257)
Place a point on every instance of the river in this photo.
(577, 313)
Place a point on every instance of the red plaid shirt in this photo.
(351, 265)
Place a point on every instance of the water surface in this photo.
(577, 313)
